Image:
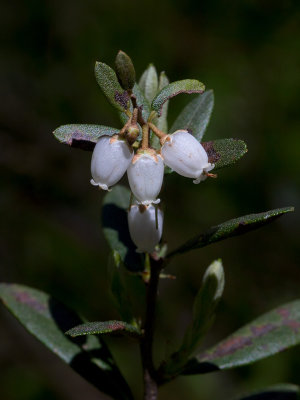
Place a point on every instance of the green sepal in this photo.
(269, 334)
(173, 89)
(196, 115)
(125, 70)
(233, 227)
(82, 136)
(47, 320)
(105, 327)
(110, 86)
(115, 228)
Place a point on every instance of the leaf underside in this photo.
(83, 136)
(269, 334)
(104, 327)
(233, 227)
(47, 320)
(188, 86)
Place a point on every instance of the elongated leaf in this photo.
(81, 135)
(109, 84)
(284, 391)
(115, 228)
(118, 289)
(173, 89)
(47, 320)
(196, 115)
(104, 327)
(125, 70)
(162, 121)
(205, 304)
(224, 152)
(269, 334)
(233, 227)
(149, 83)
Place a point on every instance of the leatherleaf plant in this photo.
(132, 219)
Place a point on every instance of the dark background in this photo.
(248, 52)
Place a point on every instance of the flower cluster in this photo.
(114, 155)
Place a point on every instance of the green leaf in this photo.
(269, 334)
(82, 136)
(115, 228)
(118, 289)
(47, 320)
(284, 391)
(125, 70)
(196, 115)
(141, 101)
(233, 227)
(109, 84)
(224, 152)
(149, 83)
(104, 327)
(162, 121)
(205, 304)
(173, 89)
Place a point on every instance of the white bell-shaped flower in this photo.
(110, 160)
(145, 176)
(145, 227)
(184, 154)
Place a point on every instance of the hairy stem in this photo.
(150, 382)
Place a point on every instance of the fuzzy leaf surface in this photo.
(269, 334)
(110, 86)
(233, 227)
(104, 327)
(47, 320)
(173, 89)
(83, 136)
(115, 228)
(284, 391)
(149, 83)
(196, 115)
(125, 70)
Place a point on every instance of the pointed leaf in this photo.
(82, 136)
(104, 327)
(118, 289)
(233, 227)
(109, 84)
(269, 334)
(173, 89)
(47, 320)
(115, 228)
(205, 304)
(149, 83)
(284, 391)
(125, 70)
(196, 115)
(162, 121)
(224, 152)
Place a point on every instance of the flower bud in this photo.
(145, 176)
(110, 160)
(145, 230)
(184, 154)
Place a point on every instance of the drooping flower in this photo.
(145, 227)
(110, 160)
(145, 176)
(184, 154)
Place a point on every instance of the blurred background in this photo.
(51, 239)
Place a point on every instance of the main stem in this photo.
(150, 384)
